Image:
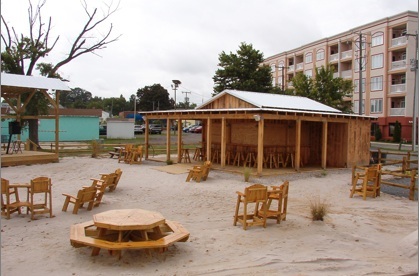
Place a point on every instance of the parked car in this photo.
(139, 129)
(103, 130)
(187, 129)
(198, 129)
(154, 129)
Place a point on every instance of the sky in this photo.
(165, 40)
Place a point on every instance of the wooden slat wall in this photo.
(227, 101)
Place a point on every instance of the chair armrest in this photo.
(239, 193)
(67, 195)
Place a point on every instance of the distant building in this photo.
(388, 77)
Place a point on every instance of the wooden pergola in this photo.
(13, 87)
(323, 138)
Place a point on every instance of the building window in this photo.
(356, 85)
(374, 127)
(308, 73)
(377, 39)
(309, 57)
(377, 83)
(320, 55)
(356, 106)
(376, 105)
(391, 127)
(377, 61)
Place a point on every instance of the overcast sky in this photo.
(165, 40)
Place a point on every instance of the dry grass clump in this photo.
(95, 148)
(319, 209)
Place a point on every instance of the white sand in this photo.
(376, 236)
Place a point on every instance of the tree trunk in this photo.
(33, 133)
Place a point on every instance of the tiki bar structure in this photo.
(15, 88)
(262, 130)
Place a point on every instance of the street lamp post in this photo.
(175, 85)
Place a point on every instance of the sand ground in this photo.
(373, 237)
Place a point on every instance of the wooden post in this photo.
(57, 120)
(261, 126)
(412, 185)
(223, 142)
(168, 141)
(324, 145)
(297, 145)
(179, 142)
(208, 139)
(146, 138)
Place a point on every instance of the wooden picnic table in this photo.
(128, 229)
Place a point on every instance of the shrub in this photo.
(246, 173)
(397, 135)
(95, 148)
(377, 134)
(318, 208)
(169, 162)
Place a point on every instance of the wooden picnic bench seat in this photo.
(79, 238)
(114, 153)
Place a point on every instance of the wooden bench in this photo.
(80, 236)
(113, 153)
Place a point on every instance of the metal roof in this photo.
(276, 101)
(22, 81)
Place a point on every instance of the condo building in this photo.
(379, 56)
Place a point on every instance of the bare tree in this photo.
(31, 48)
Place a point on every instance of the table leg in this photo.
(96, 250)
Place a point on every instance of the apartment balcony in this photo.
(291, 68)
(400, 64)
(397, 111)
(334, 57)
(398, 88)
(346, 54)
(399, 41)
(335, 75)
(346, 74)
(300, 66)
(290, 84)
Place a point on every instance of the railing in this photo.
(28, 145)
(398, 88)
(291, 68)
(335, 75)
(346, 74)
(334, 57)
(346, 54)
(290, 84)
(398, 41)
(397, 111)
(400, 64)
(300, 66)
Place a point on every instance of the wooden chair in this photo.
(99, 185)
(9, 206)
(255, 194)
(125, 153)
(280, 195)
(136, 155)
(365, 182)
(40, 196)
(84, 195)
(111, 180)
(199, 172)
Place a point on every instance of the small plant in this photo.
(324, 173)
(246, 173)
(169, 162)
(95, 148)
(318, 208)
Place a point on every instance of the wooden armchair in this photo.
(40, 196)
(366, 181)
(278, 195)
(255, 195)
(199, 172)
(85, 195)
(8, 204)
(125, 153)
(137, 155)
(111, 180)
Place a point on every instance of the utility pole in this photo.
(175, 85)
(414, 67)
(135, 108)
(186, 97)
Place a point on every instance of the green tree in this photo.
(22, 54)
(242, 71)
(154, 97)
(377, 134)
(325, 88)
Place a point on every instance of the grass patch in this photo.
(318, 208)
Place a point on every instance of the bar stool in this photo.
(198, 153)
(185, 156)
(239, 156)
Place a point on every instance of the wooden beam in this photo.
(261, 129)
(223, 142)
(179, 141)
(324, 145)
(168, 141)
(146, 137)
(208, 148)
(297, 160)
(57, 121)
